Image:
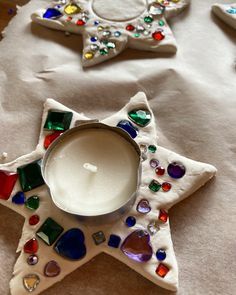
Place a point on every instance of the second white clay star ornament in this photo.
(108, 27)
(54, 243)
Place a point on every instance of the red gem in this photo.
(166, 186)
(162, 270)
(31, 247)
(34, 219)
(158, 35)
(69, 18)
(50, 138)
(163, 215)
(80, 22)
(130, 27)
(7, 182)
(160, 171)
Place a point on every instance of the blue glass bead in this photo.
(93, 39)
(114, 241)
(52, 13)
(128, 127)
(97, 22)
(19, 198)
(71, 244)
(161, 254)
(130, 221)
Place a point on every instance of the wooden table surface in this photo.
(7, 11)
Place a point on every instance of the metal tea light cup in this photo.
(100, 218)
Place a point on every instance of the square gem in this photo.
(99, 237)
(49, 231)
(57, 120)
(7, 183)
(114, 241)
(162, 270)
(154, 186)
(30, 175)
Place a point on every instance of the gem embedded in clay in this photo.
(154, 163)
(32, 259)
(7, 183)
(176, 170)
(130, 221)
(114, 241)
(50, 138)
(58, 120)
(71, 245)
(160, 171)
(49, 231)
(52, 13)
(140, 117)
(30, 175)
(158, 35)
(19, 198)
(153, 227)
(161, 254)
(32, 203)
(143, 206)
(154, 186)
(72, 8)
(34, 219)
(52, 269)
(152, 148)
(31, 246)
(162, 270)
(137, 247)
(163, 215)
(128, 127)
(98, 237)
(166, 186)
(31, 282)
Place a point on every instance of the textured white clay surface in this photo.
(197, 174)
(113, 17)
(226, 12)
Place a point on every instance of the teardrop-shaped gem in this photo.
(30, 282)
(52, 269)
(31, 246)
(140, 117)
(52, 13)
(72, 8)
(136, 246)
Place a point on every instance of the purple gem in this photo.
(143, 207)
(52, 269)
(154, 163)
(176, 170)
(136, 246)
(32, 259)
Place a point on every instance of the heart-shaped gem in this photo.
(128, 127)
(143, 207)
(140, 117)
(136, 246)
(52, 269)
(31, 247)
(71, 244)
(30, 282)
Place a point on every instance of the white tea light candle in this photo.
(92, 169)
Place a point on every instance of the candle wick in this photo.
(90, 167)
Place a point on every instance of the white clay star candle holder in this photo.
(108, 27)
(54, 243)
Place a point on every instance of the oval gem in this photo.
(176, 170)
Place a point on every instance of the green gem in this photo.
(103, 51)
(161, 23)
(140, 117)
(154, 185)
(148, 19)
(49, 231)
(152, 148)
(32, 203)
(30, 176)
(137, 35)
(111, 45)
(58, 120)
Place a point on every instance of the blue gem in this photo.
(52, 13)
(130, 221)
(114, 241)
(231, 10)
(117, 34)
(128, 127)
(19, 198)
(161, 254)
(71, 244)
(93, 39)
(97, 22)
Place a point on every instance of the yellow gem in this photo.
(88, 55)
(100, 28)
(72, 9)
(176, 1)
(30, 282)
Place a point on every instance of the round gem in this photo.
(52, 269)
(158, 35)
(117, 33)
(94, 47)
(103, 51)
(161, 23)
(80, 22)
(34, 219)
(96, 22)
(130, 27)
(154, 163)
(130, 221)
(148, 19)
(100, 28)
(136, 35)
(32, 259)
(166, 186)
(152, 148)
(143, 148)
(160, 171)
(106, 33)
(161, 254)
(146, 33)
(176, 170)
(93, 39)
(89, 55)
